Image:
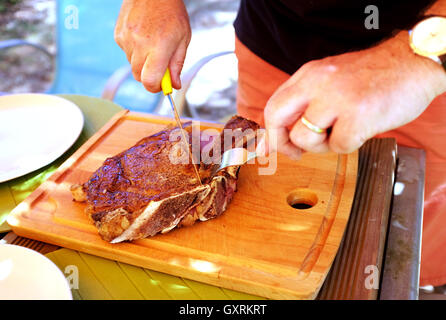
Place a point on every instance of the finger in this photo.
(176, 65)
(346, 136)
(308, 140)
(128, 53)
(284, 145)
(321, 115)
(122, 42)
(283, 110)
(137, 61)
(285, 107)
(278, 140)
(267, 144)
(153, 71)
(155, 66)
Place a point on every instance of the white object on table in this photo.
(28, 275)
(35, 129)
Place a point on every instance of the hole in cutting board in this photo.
(302, 199)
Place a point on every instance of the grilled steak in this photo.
(140, 192)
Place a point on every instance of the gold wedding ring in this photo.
(311, 126)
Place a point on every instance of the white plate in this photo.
(35, 129)
(28, 275)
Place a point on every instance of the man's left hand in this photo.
(358, 95)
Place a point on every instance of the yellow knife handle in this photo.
(166, 83)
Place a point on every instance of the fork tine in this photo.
(234, 157)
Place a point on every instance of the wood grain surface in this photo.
(260, 245)
(357, 269)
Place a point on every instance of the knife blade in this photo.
(166, 86)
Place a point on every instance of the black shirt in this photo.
(288, 33)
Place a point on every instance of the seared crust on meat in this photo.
(139, 192)
(78, 193)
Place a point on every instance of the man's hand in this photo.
(357, 95)
(154, 35)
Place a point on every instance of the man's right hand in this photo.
(154, 35)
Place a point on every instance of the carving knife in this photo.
(166, 86)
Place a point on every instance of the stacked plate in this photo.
(35, 129)
(26, 274)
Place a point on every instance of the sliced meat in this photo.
(140, 192)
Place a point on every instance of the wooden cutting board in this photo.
(260, 245)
